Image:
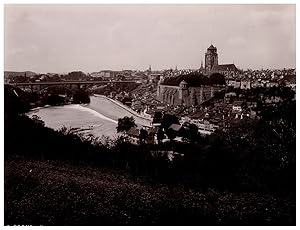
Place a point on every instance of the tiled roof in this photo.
(175, 127)
(237, 103)
(133, 132)
(153, 130)
(225, 67)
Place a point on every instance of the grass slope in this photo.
(57, 193)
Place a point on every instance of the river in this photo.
(100, 117)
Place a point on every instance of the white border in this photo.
(125, 2)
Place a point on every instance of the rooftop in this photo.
(225, 67)
(175, 127)
(211, 47)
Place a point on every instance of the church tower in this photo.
(211, 58)
(183, 92)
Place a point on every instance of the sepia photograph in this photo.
(149, 114)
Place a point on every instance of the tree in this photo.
(76, 75)
(160, 135)
(16, 101)
(143, 135)
(80, 96)
(171, 134)
(53, 99)
(191, 132)
(217, 79)
(38, 121)
(168, 120)
(219, 94)
(125, 123)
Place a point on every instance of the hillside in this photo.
(58, 193)
(11, 74)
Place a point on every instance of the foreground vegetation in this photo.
(242, 176)
(59, 193)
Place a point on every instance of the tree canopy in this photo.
(196, 79)
(80, 96)
(125, 123)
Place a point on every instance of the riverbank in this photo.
(100, 116)
(124, 107)
(134, 113)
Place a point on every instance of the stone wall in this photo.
(192, 96)
(168, 94)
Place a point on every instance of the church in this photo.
(212, 65)
(195, 88)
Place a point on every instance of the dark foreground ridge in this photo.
(55, 193)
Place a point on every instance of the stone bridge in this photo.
(39, 86)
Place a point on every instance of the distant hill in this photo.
(12, 74)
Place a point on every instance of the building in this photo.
(237, 106)
(271, 83)
(245, 84)
(205, 127)
(133, 133)
(105, 74)
(187, 90)
(212, 65)
(235, 83)
(228, 70)
(211, 58)
(155, 77)
(290, 81)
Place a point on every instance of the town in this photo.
(207, 99)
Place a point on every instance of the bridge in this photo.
(43, 85)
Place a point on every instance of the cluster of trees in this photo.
(51, 96)
(255, 94)
(81, 96)
(196, 79)
(75, 76)
(125, 123)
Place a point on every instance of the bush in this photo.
(80, 96)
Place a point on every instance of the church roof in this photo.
(211, 47)
(225, 67)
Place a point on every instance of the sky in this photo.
(64, 38)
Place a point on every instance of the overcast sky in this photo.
(62, 38)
